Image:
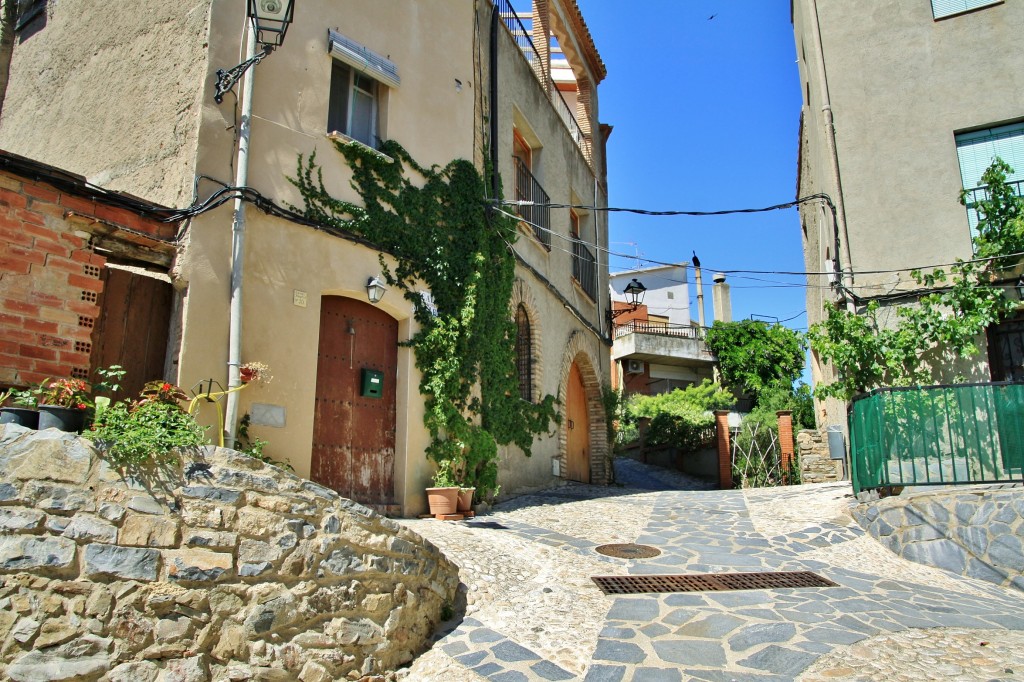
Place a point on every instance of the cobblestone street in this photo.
(530, 610)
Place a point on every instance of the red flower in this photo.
(165, 387)
(81, 406)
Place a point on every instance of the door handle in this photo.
(572, 425)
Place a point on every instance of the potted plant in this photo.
(255, 371)
(23, 412)
(465, 502)
(443, 498)
(63, 404)
(150, 430)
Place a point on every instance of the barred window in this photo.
(524, 354)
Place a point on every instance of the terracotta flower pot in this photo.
(466, 499)
(442, 500)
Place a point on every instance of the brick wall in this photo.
(50, 279)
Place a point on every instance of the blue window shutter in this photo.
(978, 149)
(943, 8)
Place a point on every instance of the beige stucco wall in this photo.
(132, 94)
(115, 97)
(426, 113)
(900, 84)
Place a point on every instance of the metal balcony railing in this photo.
(659, 328)
(977, 194)
(524, 40)
(584, 269)
(538, 215)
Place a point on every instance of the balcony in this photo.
(584, 269)
(537, 216)
(973, 196)
(524, 40)
(661, 343)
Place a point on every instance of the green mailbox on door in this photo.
(372, 383)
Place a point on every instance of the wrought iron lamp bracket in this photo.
(226, 79)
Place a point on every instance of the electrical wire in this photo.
(794, 273)
(641, 211)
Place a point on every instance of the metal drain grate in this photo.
(628, 551)
(708, 582)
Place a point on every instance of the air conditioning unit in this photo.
(634, 366)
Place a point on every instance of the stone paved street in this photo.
(532, 612)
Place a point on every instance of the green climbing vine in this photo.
(441, 232)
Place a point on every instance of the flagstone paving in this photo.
(531, 611)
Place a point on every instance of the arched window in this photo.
(524, 354)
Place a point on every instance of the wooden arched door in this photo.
(577, 425)
(354, 433)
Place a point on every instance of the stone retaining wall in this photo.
(977, 531)
(815, 464)
(224, 569)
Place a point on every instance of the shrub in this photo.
(680, 418)
(143, 432)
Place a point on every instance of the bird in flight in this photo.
(712, 17)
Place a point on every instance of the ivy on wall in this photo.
(442, 233)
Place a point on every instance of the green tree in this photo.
(755, 357)
(947, 320)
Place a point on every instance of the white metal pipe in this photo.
(845, 258)
(238, 246)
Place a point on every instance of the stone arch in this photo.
(582, 353)
(523, 296)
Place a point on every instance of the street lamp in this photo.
(375, 290)
(270, 20)
(634, 292)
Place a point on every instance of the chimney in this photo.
(720, 298)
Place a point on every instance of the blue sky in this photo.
(706, 115)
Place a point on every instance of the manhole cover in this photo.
(628, 551)
(708, 582)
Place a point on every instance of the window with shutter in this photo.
(945, 8)
(359, 78)
(977, 150)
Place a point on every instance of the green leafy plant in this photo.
(445, 477)
(947, 320)
(754, 356)
(440, 231)
(254, 446)
(71, 393)
(681, 418)
(28, 397)
(109, 379)
(147, 430)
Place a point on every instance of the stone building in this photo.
(126, 100)
(905, 105)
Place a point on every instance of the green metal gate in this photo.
(938, 435)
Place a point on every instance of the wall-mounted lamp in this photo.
(634, 293)
(375, 290)
(1020, 288)
(270, 20)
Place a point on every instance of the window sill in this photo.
(526, 230)
(342, 138)
(579, 288)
